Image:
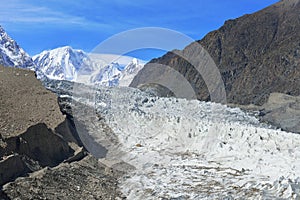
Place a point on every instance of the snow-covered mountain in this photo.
(62, 63)
(11, 54)
(130, 71)
(116, 75)
(65, 63)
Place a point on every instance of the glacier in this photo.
(188, 149)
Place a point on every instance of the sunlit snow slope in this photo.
(11, 54)
(66, 63)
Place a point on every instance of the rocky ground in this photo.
(41, 156)
(84, 179)
(281, 111)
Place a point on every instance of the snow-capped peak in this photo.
(66, 63)
(130, 71)
(62, 63)
(135, 61)
(11, 54)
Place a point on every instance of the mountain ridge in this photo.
(11, 54)
(62, 63)
(66, 63)
(256, 54)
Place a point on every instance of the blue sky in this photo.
(39, 25)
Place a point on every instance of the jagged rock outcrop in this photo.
(256, 54)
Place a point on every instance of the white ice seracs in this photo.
(195, 150)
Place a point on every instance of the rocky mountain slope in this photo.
(256, 54)
(11, 54)
(31, 125)
(66, 63)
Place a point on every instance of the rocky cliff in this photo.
(256, 55)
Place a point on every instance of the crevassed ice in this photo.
(196, 150)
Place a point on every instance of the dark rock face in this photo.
(256, 54)
(12, 167)
(38, 143)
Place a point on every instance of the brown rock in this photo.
(33, 131)
(24, 102)
(85, 179)
(256, 54)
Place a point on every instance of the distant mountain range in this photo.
(256, 54)
(61, 63)
(65, 63)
